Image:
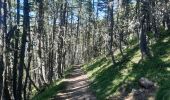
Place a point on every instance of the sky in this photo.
(101, 13)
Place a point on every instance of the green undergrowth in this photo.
(52, 89)
(106, 78)
(164, 92)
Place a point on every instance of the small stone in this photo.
(146, 83)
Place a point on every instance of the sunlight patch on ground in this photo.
(95, 69)
(98, 69)
(166, 39)
(166, 58)
(126, 70)
(168, 69)
(124, 77)
(137, 57)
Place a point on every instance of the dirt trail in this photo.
(77, 87)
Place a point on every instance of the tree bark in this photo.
(61, 37)
(1, 55)
(22, 52)
(110, 29)
(144, 29)
(15, 62)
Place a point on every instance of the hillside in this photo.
(119, 81)
(84, 49)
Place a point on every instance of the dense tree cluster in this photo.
(39, 39)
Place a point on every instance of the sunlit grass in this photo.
(106, 79)
(53, 88)
(168, 69)
(137, 57)
(49, 91)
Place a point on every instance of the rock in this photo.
(146, 83)
(122, 89)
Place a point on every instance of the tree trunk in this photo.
(27, 68)
(143, 43)
(1, 74)
(22, 52)
(1, 56)
(144, 29)
(110, 29)
(60, 37)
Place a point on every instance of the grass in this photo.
(50, 91)
(164, 92)
(106, 79)
(53, 89)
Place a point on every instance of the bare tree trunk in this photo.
(143, 43)
(23, 46)
(1, 73)
(53, 51)
(6, 90)
(1, 55)
(77, 34)
(144, 29)
(110, 29)
(15, 62)
(27, 69)
(41, 41)
(60, 37)
(120, 43)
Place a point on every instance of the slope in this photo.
(120, 80)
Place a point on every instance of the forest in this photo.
(84, 50)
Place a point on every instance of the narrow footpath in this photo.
(77, 86)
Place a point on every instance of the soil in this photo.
(76, 87)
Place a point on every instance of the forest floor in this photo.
(121, 80)
(76, 86)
